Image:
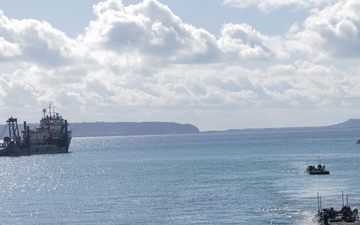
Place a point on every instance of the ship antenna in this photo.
(50, 110)
(44, 111)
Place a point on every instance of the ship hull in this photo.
(34, 149)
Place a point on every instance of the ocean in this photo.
(247, 177)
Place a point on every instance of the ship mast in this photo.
(50, 110)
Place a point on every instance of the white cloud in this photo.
(331, 32)
(31, 41)
(150, 29)
(7, 49)
(241, 41)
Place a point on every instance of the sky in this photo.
(216, 64)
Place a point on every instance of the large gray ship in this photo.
(52, 136)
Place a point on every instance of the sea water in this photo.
(248, 177)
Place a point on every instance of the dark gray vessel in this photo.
(52, 136)
(317, 170)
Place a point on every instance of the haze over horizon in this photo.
(216, 64)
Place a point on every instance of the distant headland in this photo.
(87, 129)
(351, 123)
(93, 129)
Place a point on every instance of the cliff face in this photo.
(130, 128)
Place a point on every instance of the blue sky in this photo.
(217, 64)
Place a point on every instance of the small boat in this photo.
(320, 169)
(330, 216)
(317, 170)
(358, 141)
(52, 136)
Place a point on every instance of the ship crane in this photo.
(14, 134)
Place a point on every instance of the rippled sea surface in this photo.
(249, 177)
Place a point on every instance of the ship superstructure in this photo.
(52, 136)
